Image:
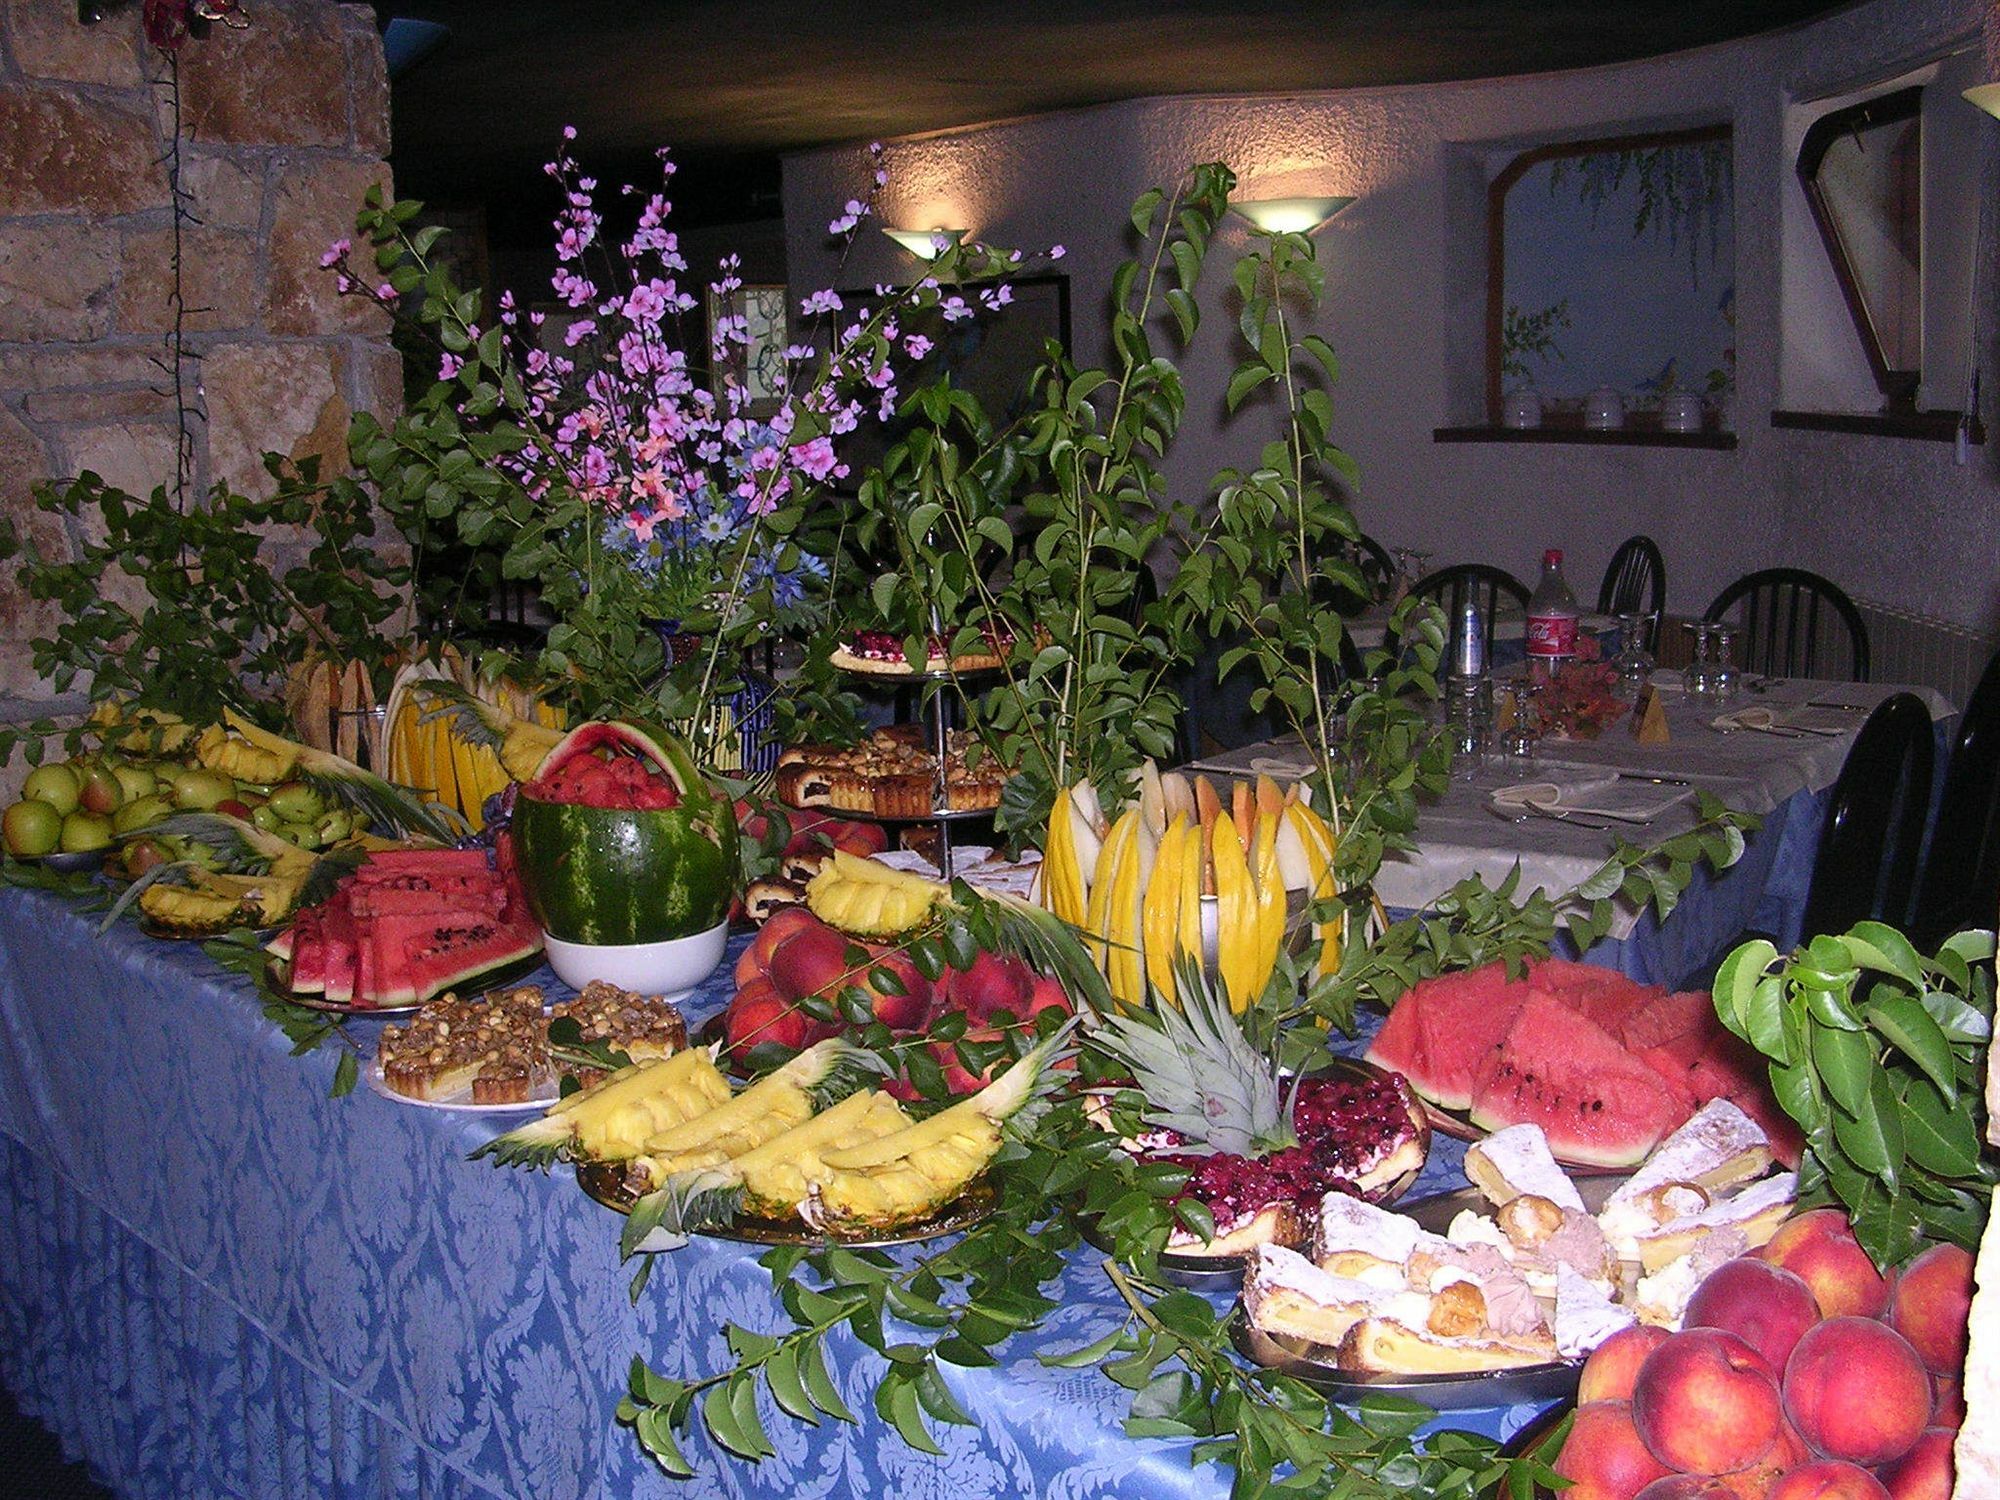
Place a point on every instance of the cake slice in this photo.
(1387, 1344)
(1661, 1298)
(1284, 1293)
(1755, 1213)
(1351, 1237)
(1585, 1315)
(1540, 1238)
(1517, 1161)
(1717, 1148)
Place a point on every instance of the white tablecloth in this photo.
(1752, 772)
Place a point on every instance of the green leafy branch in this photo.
(1875, 1051)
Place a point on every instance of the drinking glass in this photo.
(1517, 741)
(1633, 663)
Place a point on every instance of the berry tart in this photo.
(880, 653)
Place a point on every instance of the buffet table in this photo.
(218, 1281)
(1783, 778)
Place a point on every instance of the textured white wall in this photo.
(1892, 519)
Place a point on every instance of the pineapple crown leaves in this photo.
(472, 719)
(829, 1071)
(537, 1145)
(392, 808)
(1047, 1080)
(705, 1198)
(177, 872)
(238, 847)
(1198, 1072)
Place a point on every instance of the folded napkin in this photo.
(1768, 720)
(1599, 796)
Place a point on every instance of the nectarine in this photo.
(1764, 1305)
(1925, 1472)
(1610, 1371)
(1828, 1479)
(1604, 1456)
(1931, 1306)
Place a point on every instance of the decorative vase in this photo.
(742, 731)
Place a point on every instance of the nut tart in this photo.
(1719, 1147)
(880, 653)
(640, 1026)
(495, 1047)
(1755, 1213)
(1285, 1293)
(1517, 1161)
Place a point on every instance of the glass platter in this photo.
(603, 1183)
(1219, 1272)
(1554, 1380)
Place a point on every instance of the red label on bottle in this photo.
(1551, 635)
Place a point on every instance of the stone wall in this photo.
(284, 124)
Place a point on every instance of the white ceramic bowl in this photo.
(670, 969)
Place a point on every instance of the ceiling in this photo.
(730, 84)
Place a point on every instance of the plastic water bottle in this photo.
(1552, 616)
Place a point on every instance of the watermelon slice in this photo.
(1606, 996)
(1596, 1102)
(387, 864)
(1439, 1034)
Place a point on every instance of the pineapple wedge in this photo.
(869, 899)
(770, 1181)
(782, 1099)
(614, 1118)
(910, 1175)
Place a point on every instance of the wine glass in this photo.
(1700, 674)
(1725, 676)
(1517, 740)
(1633, 663)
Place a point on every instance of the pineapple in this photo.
(869, 899)
(250, 753)
(614, 1118)
(770, 1181)
(909, 1175)
(782, 1099)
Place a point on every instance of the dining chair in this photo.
(1961, 881)
(1779, 613)
(1874, 822)
(1635, 580)
(1377, 567)
(1481, 583)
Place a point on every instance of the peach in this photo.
(1705, 1402)
(1604, 1456)
(1925, 1472)
(1820, 1247)
(1048, 994)
(756, 959)
(1828, 1479)
(1932, 1307)
(1764, 1305)
(1948, 1402)
(994, 983)
(1610, 1371)
(1686, 1487)
(898, 1012)
(812, 961)
(1856, 1390)
(759, 1014)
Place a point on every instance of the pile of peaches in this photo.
(1800, 1373)
(796, 956)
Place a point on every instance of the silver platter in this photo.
(605, 1184)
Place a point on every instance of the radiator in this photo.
(1911, 648)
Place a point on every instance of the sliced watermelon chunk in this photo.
(388, 864)
(1606, 996)
(1439, 1034)
(1596, 1102)
(1730, 1069)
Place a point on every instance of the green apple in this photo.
(297, 802)
(83, 831)
(56, 785)
(334, 827)
(140, 812)
(31, 829)
(199, 790)
(102, 794)
(135, 781)
(266, 817)
(305, 835)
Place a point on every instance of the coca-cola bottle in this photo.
(1551, 618)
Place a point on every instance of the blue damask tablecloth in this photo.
(217, 1281)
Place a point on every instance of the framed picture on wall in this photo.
(758, 363)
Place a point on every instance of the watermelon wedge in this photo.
(1596, 1102)
(1606, 996)
(1440, 1032)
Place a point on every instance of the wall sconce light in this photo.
(1289, 215)
(925, 244)
(1986, 96)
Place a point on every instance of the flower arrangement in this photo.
(619, 462)
(1576, 702)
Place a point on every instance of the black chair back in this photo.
(1481, 584)
(1961, 882)
(1781, 611)
(1874, 822)
(1375, 563)
(1635, 580)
